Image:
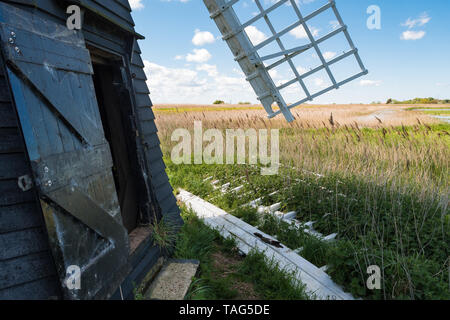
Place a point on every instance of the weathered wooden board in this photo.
(24, 269)
(22, 243)
(7, 116)
(56, 102)
(55, 97)
(20, 217)
(39, 289)
(11, 194)
(10, 140)
(13, 165)
(148, 133)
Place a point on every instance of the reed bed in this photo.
(372, 142)
(377, 175)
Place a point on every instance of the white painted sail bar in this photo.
(246, 54)
(318, 283)
(228, 23)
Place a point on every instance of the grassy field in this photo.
(377, 175)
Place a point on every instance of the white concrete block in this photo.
(309, 224)
(290, 215)
(330, 237)
(255, 203)
(313, 233)
(237, 189)
(324, 268)
(226, 185)
(279, 214)
(275, 207)
(262, 209)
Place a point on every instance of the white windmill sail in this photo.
(260, 58)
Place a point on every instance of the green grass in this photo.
(248, 215)
(413, 156)
(397, 229)
(437, 112)
(384, 191)
(198, 241)
(314, 250)
(421, 101)
(268, 280)
(164, 234)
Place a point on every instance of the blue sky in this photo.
(187, 61)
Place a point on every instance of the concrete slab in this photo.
(173, 281)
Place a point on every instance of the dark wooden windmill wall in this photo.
(71, 202)
(26, 266)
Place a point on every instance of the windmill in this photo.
(258, 64)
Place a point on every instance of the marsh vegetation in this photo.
(379, 179)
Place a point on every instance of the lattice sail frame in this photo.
(251, 63)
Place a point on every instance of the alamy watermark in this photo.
(74, 20)
(374, 280)
(73, 278)
(222, 149)
(374, 20)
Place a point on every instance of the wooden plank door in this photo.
(50, 73)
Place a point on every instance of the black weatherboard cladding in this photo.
(160, 181)
(118, 12)
(26, 267)
(114, 10)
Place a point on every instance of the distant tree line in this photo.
(419, 101)
(223, 102)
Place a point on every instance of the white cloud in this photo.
(318, 82)
(411, 23)
(202, 37)
(274, 74)
(175, 1)
(329, 55)
(421, 21)
(301, 70)
(256, 36)
(210, 69)
(198, 55)
(239, 72)
(370, 83)
(136, 4)
(181, 85)
(300, 33)
(412, 35)
(335, 24)
(161, 76)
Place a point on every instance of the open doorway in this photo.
(116, 113)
